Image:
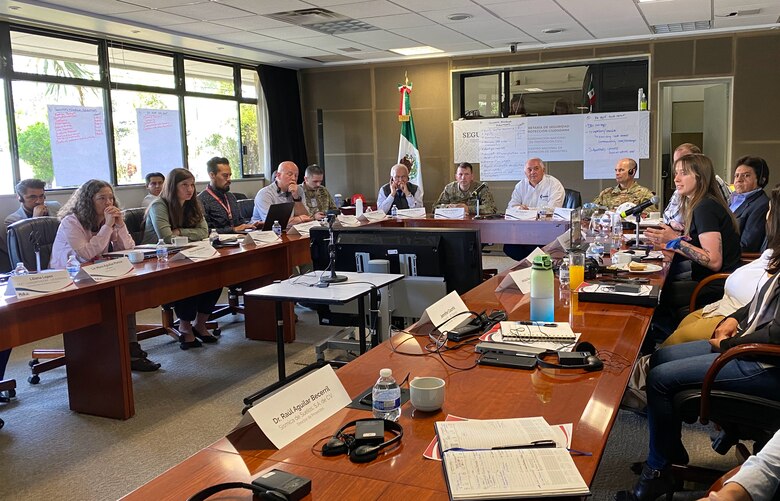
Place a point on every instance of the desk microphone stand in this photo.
(332, 278)
(637, 218)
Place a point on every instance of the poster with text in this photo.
(78, 144)
(555, 138)
(502, 149)
(608, 137)
(159, 138)
(466, 140)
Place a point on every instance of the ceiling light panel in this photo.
(662, 29)
(417, 51)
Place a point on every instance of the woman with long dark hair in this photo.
(177, 212)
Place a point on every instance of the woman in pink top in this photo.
(91, 225)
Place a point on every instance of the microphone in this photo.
(637, 209)
(478, 190)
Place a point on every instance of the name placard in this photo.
(348, 221)
(521, 214)
(261, 238)
(108, 270)
(418, 212)
(449, 213)
(27, 286)
(448, 311)
(301, 406)
(198, 252)
(303, 228)
(374, 216)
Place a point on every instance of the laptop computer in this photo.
(278, 212)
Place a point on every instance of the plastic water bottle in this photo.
(563, 273)
(277, 228)
(394, 211)
(337, 200)
(617, 232)
(21, 269)
(72, 266)
(606, 232)
(542, 289)
(386, 396)
(359, 207)
(641, 100)
(161, 251)
(213, 237)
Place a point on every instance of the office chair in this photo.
(21, 235)
(7, 386)
(239, 195)
(246, 207)
(740, 416)
(572, 199)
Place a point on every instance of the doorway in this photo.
(694, 111)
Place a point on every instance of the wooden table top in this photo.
(587, 400)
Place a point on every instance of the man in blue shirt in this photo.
(749, 203)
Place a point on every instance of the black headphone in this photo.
(632, 171)
(344, 443)
(763, 175)
(587, 350)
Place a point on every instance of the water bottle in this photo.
(161, 251)
(563, 273)
(337, 199)
(386, 396)
(359, 207)
(72, 265)
(394, 211)
(606, 232)
(277, 228)
(641, 100)
(542, 289)
(617, 232)
(214, 237)
(21, 269)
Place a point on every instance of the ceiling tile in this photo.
(534, 24)
(733, 22)
(490, 30)
(202, 28)
(252, 23)
(432, 35)
(207, 11)
(332, 43)
(379, 39)
(328, 3)
(266, 6)
(160, 4)
(676, 11)
(418, 6)
(289, 32)
(368, 9)
(155, 18)
(478, 13)
(462, 47)
(104, 7)
(280, 46)
(398, 21)
(242, 37)
(524, 8)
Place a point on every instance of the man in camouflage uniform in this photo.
(458, 193)
(316, 197)
(627, 190)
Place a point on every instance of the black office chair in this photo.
(239, 195)
(246, 207)
(7, 386)
(572, 199)
(740, 416)
(22, 238)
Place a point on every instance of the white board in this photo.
(502, 148)
(159, 138)
(555, 138)
(78, 144)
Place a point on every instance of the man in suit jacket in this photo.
(749, 203)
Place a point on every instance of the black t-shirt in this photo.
(709, 216)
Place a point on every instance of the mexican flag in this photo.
(407, 148)
(591, 94)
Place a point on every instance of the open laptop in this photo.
(278, 212)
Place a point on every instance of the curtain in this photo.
(285, 123)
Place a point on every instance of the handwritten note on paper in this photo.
(77, 139)
(159, 138)
(557, 137)
(503, 147)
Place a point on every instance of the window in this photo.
(57, 57)
(250, 83)
(548, 91)
(6, 181)
(482, 96)
(134, 67)
(212, 130)
(60, 131)
(208, 78)
(147, 134)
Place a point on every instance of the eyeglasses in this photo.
(35, 197)
(743, 175)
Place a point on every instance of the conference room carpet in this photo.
(49, 452)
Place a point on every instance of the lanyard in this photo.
(226, 207)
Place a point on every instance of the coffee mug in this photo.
(427, 393)
(135, 256)
(653, 215)
(180, 241)
(621, 258)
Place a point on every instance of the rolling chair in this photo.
(239, 195)
(245, 207)
(21, 236)
(7, 386)
(572, 199)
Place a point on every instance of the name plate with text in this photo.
(38, 284)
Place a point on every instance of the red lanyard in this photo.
(226, 207)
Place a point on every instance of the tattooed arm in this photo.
(709, 255)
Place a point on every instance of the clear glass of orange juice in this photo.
(576, 269)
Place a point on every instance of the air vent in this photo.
(350, 49)
(323, 20)
(681, 27)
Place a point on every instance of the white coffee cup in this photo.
(653, 215)
(621, 258)
(180, 241)
(427, 393)
(135, 256)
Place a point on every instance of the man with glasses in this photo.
(284, 189)
(399, 191)
(32, 197)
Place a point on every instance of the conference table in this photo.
(91, 317)
(587, 400)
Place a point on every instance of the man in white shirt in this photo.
(154, 182)
(538, 189)
(399, 191)
(284, 189)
